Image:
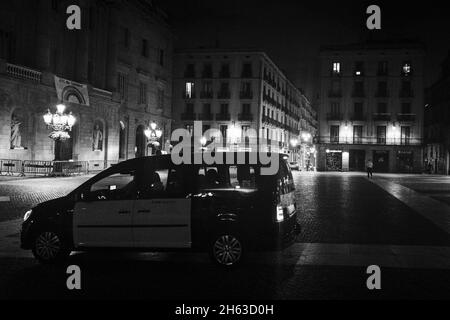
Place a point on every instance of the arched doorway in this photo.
(64, 148)
(140, 142)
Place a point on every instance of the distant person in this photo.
(369, 167)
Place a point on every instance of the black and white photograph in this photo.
(224, 157)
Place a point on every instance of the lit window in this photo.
(189, 89)
(336, 67)
(406, 68)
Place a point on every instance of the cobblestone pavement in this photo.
(348, 223)
(18, 195)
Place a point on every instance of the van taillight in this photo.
(279, 214)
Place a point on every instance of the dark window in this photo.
(246, 108)
(160, 99)
(55, 5)
(144, 49)
(382, 89)
(189, 108)
(381, 134)
(91, 18)
(382, 68)
(190, 71)
(225, 70)
(335, 108)
(126, 37)
(122, 86)
(224, 108)
(381, 107)
(247, 70)
(142, 93)
(358, 90)
(161, 57)
(207, 71)
(6, 45)
(206, 108)
(358, 108)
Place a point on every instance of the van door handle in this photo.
(144, 211)
(124, 212)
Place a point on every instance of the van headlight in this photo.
(280, 214)
(27, 215)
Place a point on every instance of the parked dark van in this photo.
(151, 204)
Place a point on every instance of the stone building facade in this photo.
(116, 75)
(437, 123)
(370, 106)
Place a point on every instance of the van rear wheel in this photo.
(227, 250)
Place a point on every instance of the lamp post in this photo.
(153, 134)
(59, 122)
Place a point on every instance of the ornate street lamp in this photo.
(59, 122)
(153, 133)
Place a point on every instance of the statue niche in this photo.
(97, 136)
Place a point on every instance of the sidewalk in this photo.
(434, 210)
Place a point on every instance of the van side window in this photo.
(243, 176)
(116, 186)
(164, 183)
(210, 177)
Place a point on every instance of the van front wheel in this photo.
(48, 247)
(227, 250)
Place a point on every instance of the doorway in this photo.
(140, 142)
(380, 161)
(357, 160)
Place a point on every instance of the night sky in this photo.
(291, 32)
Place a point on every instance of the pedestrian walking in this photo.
(369, 167)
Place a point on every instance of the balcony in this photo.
(206, 116)
(224, 95)
(185, 95)
(406, 93)
(188, 116)
(224, 74)
(334, 116)
(245, 117)
(246, 95)
(370, 140)
(206, 95)
(223, 117)
(381, 117)
(406, 117)
(23, 73)
(358, 117)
